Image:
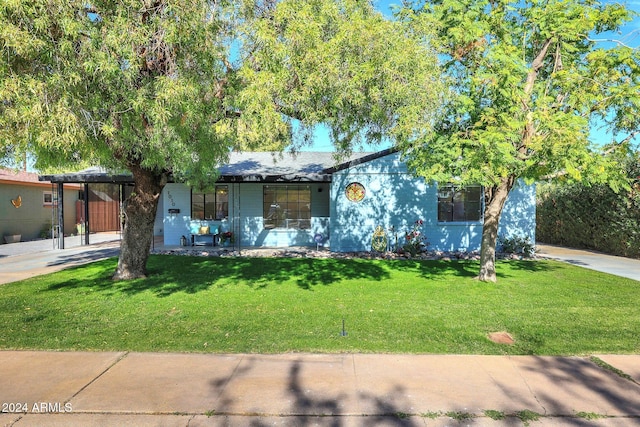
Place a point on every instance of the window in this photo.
(211, 205)
(47, 198)
(287, 206)
(457, 204)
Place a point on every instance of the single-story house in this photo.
(264, 199)
(28, 206)
(279, 200)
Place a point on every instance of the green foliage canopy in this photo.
(175, 85)
(529, 80)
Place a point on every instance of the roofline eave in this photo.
(360, 160)
(311, 178)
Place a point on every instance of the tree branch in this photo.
(537, 63)
(618, 42)
(624, 141)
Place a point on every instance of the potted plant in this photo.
(12, 238)
(226, 238)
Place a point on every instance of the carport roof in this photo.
(91, 175)
(247, 167)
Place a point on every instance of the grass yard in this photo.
(274, 305)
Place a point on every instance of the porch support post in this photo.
(236, 226)
(86, 213)
(123, 198)
(61, 215)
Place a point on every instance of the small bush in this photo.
(517, 245)
(45, 232)
(416, 242)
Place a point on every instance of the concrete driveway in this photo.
(619, 266)
(19, 261)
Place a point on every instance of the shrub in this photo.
(415, 241)
(517, 245)
(592, 217)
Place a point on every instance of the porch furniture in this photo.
(204, 235)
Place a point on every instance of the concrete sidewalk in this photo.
(168, 389)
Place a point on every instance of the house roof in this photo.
(19, 176)
(250, 167)
(283, 167)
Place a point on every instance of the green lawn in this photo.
(273, 305)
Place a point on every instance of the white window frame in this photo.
(51, 197)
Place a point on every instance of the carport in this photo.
(88, 177)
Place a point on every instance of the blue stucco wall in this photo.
(396, 199)
(174, 196)
(252, 229)
(245, 216)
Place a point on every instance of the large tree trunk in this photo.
(495, 199)
(140, 213)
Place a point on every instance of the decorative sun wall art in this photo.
(355, 192)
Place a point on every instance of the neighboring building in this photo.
(27, 205)
(281, 199)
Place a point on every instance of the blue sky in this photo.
(630, 35)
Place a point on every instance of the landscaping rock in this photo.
(312, 252)
(501, 338)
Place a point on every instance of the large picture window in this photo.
(210, 205)
(287, 206)
(459, 204)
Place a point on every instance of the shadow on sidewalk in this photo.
(85, 257)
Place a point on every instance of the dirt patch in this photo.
(501, 338)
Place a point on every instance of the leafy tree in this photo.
(161, 87)
(528, 80)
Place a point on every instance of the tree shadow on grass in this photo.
(437, 269)
(170, 274)
(505, 267)
(434, 269)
